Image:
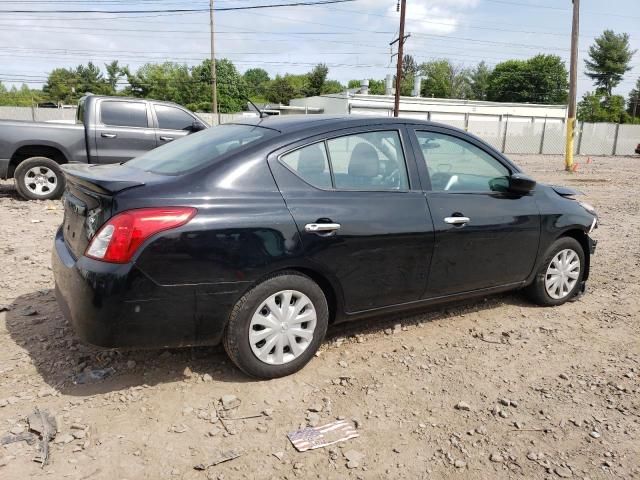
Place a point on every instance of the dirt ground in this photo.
(494, 388)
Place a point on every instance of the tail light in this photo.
(119, 238)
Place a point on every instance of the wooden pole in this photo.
(396, 104)
(573, 81)
(214, 81)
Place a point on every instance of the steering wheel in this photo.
(393, 179)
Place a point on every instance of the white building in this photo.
(444, 110)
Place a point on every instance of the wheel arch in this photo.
(28, 151)
(330, 290)
(581, 237)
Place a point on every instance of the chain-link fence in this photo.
(548, 136)
(506, 133)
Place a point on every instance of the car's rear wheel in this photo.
(39, 178)
(277, 327)
(559, 277)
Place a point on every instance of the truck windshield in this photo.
(199, 149)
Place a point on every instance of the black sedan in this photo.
(261, 233)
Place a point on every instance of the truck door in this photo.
(122, 130)
(173, 123)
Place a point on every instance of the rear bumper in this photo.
(118, 306)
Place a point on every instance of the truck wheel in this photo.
(39, 178)
(277, 327)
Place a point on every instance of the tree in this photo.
(540, 79)
(609, 60)
(91, 80)
(597, 107)
(114, 74)
(409, 70)
(332, 86)
(281, 90)
(61, 86)
(257, 80)
(479, 81)
(316, 79)
(409, 66)
(442, 79)
(633, 104)
(548, 78)
(22, 97)
(163, 81)
(232, 89)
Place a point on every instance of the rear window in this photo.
(199, 149)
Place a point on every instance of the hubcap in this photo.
(282, 327)
(41, 181)
(562, 274)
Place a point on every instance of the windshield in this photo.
(199, 149)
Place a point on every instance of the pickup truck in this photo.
(106, 130)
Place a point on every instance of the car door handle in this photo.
(456, 220)
(109, 135)
(166, 139)
(321, 227)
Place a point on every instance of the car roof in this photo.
(292, 123)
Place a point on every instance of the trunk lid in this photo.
(88, 199)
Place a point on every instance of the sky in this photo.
(351, 38)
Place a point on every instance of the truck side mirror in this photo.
(196, 126)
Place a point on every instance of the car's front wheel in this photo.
(559, 277)
(39, 178)
(277, 327)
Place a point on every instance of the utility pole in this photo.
(400, 40)
(573, 81)
(214, 82)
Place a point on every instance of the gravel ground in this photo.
(494, 388)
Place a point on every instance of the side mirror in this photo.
(521, 183)
(196, 126)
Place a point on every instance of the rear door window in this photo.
(123, 114)
(311, 164)
(172, 118)
(368, 161)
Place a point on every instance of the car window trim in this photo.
(102, 124)
(424, 171)
(350, 131)
(177, 107)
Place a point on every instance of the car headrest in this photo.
(311, 160)
(364, 161)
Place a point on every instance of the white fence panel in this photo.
(628, 139)
(554, 138)
(523, 136)
(597, 138)
(490, 129)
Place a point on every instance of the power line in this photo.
(181, 10)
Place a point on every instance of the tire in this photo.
(39, 178)
(549, 294)
(251, 314)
